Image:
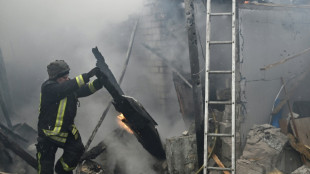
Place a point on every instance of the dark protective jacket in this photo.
(58, 105)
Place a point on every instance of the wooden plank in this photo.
(218, 161)
(94, 152)
(5, 110)
(18, 150)
(195, 76)
(283, 125)
(7, 131)
(5, 98)
(301, 148)
(185, 99)
(137, 118)
(302, 124)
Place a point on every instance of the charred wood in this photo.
(195, 75)
(185, 99)
(18, 150)
(5, 98)
(5, 157)
(5, 111)
(92, 167)
(94, 152)
(119, 82)
(137, 118)
(11, 133)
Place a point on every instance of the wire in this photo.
(200, 169)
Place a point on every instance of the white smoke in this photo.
(34, 33)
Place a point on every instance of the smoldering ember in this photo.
(155, 87)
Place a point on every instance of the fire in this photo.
(246, 2)
(121, 122)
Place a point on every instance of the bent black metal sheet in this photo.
(137, 118)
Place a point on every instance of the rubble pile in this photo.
(266, 150)
(302, 169)
(182, 155)
(91, 167)
(12, 154)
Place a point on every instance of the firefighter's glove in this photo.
(90, 74)
(93, 72)
(99, 74)
(97, 84)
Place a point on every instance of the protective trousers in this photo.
(46, 150)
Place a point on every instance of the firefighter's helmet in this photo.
(58, 68)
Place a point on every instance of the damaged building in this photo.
(191, 86)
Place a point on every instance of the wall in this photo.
(268, 35)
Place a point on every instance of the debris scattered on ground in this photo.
(182, 155)
(91, 167)
(302, 170)
(262, 150)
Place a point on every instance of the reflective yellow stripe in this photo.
(63, 134)
(79, 80)
(60, 115)
(66, 166)
(74, 130)
(39, 163)
(51, 133)
(59, 139)
(91, 87)
(76, 136)
(55, 133)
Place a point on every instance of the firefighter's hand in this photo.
(99, 82)
(99, 74)
(93, 72)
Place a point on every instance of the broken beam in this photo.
(7, 130)
(138, 119)
(301, 148)
(5, 111)
(93, 152)
(105, 112)
(18, 150)
(195, 76)
(218, 161)
(285, 60)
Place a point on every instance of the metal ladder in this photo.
(232, 102)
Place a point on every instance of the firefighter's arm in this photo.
(61, 90)
(89, 88)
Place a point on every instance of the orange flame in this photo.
(246, 2)
(123, 125)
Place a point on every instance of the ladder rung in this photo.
(220, 168)
(220, 102)
(219, 135)
(221, 14)
(220, 72)
(221, 42)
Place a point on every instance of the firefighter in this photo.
(58, 106)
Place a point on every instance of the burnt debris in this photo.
(138, 119)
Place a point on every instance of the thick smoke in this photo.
(34, 33)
